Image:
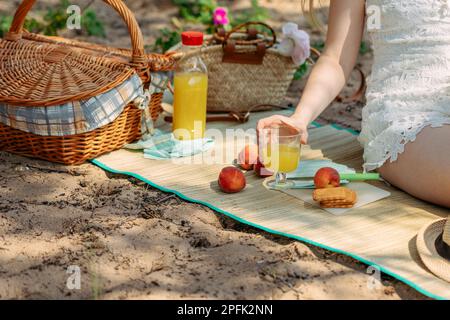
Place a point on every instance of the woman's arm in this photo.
(330, 74)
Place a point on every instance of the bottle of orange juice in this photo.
(191, 91)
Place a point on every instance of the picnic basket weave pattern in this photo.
(45, 71)
(238, 87)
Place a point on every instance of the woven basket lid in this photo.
(42, 73)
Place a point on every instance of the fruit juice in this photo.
(190, 105)
(282, 158)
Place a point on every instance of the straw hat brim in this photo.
(426, 246)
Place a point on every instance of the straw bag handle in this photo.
(254, 41)
(137, 41)
(231, 55)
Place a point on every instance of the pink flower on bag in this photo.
(296, 44)
(220, 16)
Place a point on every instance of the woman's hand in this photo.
(295, 123)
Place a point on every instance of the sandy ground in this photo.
(133, 242)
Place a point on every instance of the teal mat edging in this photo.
(290, 236)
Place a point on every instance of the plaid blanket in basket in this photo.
(75, 117)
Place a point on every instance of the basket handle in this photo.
(137, 40)
(255, 41)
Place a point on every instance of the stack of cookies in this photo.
(340, 197)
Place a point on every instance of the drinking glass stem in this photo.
(281, 178)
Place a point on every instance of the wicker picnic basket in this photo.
(244, 69)
(43, 72)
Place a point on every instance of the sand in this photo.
(131, 241)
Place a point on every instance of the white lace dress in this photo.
(409, 88)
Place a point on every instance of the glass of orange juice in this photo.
(280, 149)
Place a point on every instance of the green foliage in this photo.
(255, 13)
(55, 20)
(92, 25)
(319, 45)
(365, 48)
(194, 11)
(201, 12)
(34, 25)
(198, 11)
(31, 25)
(167, 40)
(5, 23)
(301, 71)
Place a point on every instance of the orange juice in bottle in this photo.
(191, 91)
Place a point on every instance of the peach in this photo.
(232, 180)
(327, 178)
(261, 170)
(248, 157)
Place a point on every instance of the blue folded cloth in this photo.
(162, 146)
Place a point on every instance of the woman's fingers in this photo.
(268, 122)
(278, 120)
(299, 128)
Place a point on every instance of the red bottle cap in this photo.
(192, 38)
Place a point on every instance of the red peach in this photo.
(261, 170)
(327, 178)
(248, 157)
(232, 180)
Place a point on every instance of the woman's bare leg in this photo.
(423, 170)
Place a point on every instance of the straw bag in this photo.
(244, 69)
(51, 81)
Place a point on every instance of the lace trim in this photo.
(393, 150)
